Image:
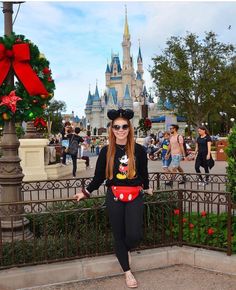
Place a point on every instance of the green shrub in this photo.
(231, 168)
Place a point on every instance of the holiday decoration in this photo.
(145, 125)
(34, 87)
(40, 122)
(10, 101)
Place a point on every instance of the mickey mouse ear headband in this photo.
(114, 114)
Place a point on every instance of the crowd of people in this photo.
(171, 147)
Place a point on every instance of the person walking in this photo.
(177, 153)
(163, 150)
(123, 164)
(74, 137)
(202, 154)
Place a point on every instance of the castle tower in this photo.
(108, 75)
(128, 75)
(139, 73)
(96, 110)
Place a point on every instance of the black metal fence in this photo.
(49, 226)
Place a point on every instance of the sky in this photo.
(78, 37)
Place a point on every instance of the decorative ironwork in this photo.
(62, 229)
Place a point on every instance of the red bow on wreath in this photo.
(19, 57)
(40, 121)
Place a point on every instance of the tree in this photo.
(53, 114)
(197, 77)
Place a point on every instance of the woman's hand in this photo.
(167, 156)
(208, 157)
(78, 196)
(149, 191)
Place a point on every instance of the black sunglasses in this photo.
(118, 127)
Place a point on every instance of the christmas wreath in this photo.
(145, 124)
(30, 95)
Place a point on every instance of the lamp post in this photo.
(12, 228)
(143, 99)
(88, 129)
(224, 126)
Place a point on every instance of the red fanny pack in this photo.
(126, 193)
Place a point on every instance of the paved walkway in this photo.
(172, 278)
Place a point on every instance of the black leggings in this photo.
(126, 219)
(202, 161)
(74, 162)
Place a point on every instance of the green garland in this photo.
(29, 107)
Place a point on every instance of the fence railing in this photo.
(49, 226)
(50, 189)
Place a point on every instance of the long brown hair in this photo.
(204, 129)
(129, 148)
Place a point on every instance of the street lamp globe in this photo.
(136, 104)
(151, 106)
(232, 120)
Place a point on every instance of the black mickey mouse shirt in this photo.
(121, 169)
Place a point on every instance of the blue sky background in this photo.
(78, 37)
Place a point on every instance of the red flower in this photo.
(176, 211)
(210, 231)
(46, 71)
(203, 213)
(49, 79)
(191, 226)
(184, 220)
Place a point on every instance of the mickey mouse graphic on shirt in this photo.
(123, 167)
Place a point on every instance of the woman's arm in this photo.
(143, 167)
(208, 150)
(98, 179)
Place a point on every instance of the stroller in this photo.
(152, 153)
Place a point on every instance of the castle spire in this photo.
(126, 29)
(140, 59)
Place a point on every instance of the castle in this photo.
(124, 88)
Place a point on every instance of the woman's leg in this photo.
(126, 222)
(134, 222)
(197, 166)
(116, 213)
(206, 168)
(63, 156)
(74, 161)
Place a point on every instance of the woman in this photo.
(123, 163)
(74, 137)
(203, 153)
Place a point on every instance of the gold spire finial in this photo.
(126, 30)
